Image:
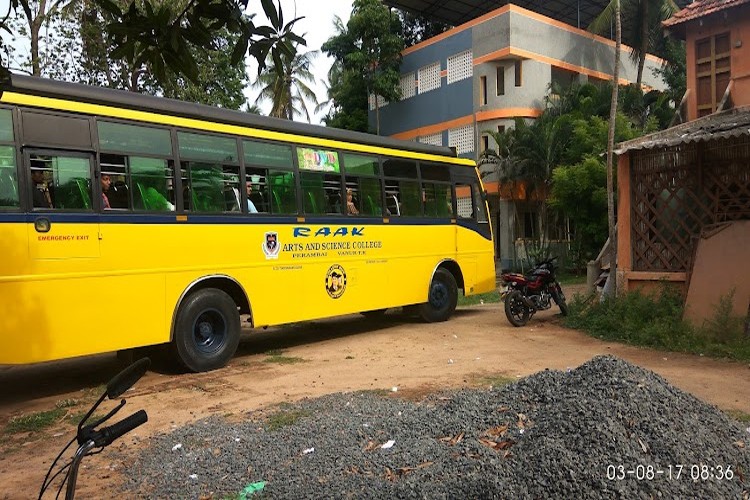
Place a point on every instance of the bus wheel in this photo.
(442, 298)
(207, 330)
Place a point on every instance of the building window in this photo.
(459, 67)
(380, 103)
(501, 80)
(429, 78)
(462, 139)
(434, 139)
(408, 86)
(482, 90)
(485, 142)
(712, 70)
(519, 73)
(501, 129)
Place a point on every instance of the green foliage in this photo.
(580, 192)
(481, 298)
(417, 29)
(367, 53)
(277, 356)
(285, 418)
(163, 37)
(286, 85)
(35, 421)
(655, 320)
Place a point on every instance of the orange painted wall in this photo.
(737, 22)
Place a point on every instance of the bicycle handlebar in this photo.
(106, 435)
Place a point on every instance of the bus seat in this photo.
(372, 208)
(8, 190)
(313, 204)
(83, 189)
(153, 199)
(276, 202)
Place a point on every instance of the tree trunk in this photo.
(644, 41)
(35, 26)
(610, 152)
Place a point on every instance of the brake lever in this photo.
(87, 432)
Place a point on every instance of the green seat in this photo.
(83, 190)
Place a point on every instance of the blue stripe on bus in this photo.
(150, 218)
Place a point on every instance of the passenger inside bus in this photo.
(106, 181)
(42, 195)
(250, 205)
(351, 208)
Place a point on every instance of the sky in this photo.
(316, 27)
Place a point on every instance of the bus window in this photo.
(268, 154)
(257, 190)
(366, 195)
(153, 186)
(8, 178)
(464, 203)
(273, 188)
(213, 173)
(362, 174)
(120, 137)
(403, 196)
(282, 188)
(321, 193)
(479, 204)
(211, 187)
(438, 200)
(60, 182)
(119, 193)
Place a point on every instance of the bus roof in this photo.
(132, 100)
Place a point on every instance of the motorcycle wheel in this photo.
(516, 309)
(559, 298)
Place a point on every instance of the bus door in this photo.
(472, 224)
(63, 223)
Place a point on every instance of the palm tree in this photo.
(286, 86)
(644, 32)
(610, 156)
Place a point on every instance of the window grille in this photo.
(381, 102)
(408, 87)
(434, 139)
(460, 67)
(462, 139)
(429, 78)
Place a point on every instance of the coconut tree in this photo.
(644, 30)
(287, 85)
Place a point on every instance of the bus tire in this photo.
(441, 299)
(207, 330)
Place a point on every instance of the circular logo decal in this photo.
(335, 281)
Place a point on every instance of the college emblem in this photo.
(271, 245)
(335, 281)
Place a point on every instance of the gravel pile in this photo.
(607, 429)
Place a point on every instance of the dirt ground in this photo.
(351, 353)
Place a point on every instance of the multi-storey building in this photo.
(482, 75)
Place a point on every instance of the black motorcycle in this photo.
(526, 294)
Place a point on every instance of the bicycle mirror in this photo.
(126, 378)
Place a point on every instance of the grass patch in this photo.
(739, 416)
(571, 279)
(482, 298)
(655, 320)
(285, 419)
(277, 356)
(34, 422)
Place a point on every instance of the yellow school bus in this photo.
(129, 221)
